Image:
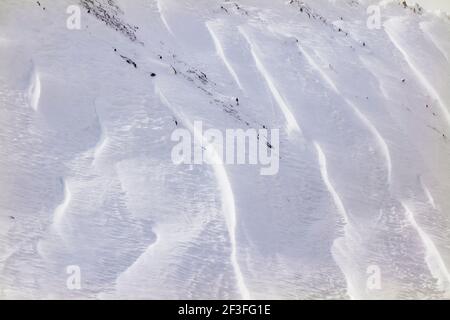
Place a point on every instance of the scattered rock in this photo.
(129, 61)
(110, 14)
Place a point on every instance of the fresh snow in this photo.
(87, 180)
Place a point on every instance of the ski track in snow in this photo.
(221, 54)
(290, 119)
(228, 203)
(433, 258)
(380, 140)
(421, 77)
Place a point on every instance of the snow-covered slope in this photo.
(358, 209)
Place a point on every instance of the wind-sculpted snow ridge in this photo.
(324, 172)
(433, 257)
(338, 203)
(34, 90)
(292, 124)
(442, 46)
(61, 209)
(364, 119)
(92, 205)
(221, 54)
(163, 19)
(228, 204)
(392, 27)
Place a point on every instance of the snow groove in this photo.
(228, 202)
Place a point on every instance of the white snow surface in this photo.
(86, 177)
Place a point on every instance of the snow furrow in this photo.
(290, 119)
(221, 54)
(433, 258)
(228, 203)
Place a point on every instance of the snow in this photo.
(87, 179)
(221, 54)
